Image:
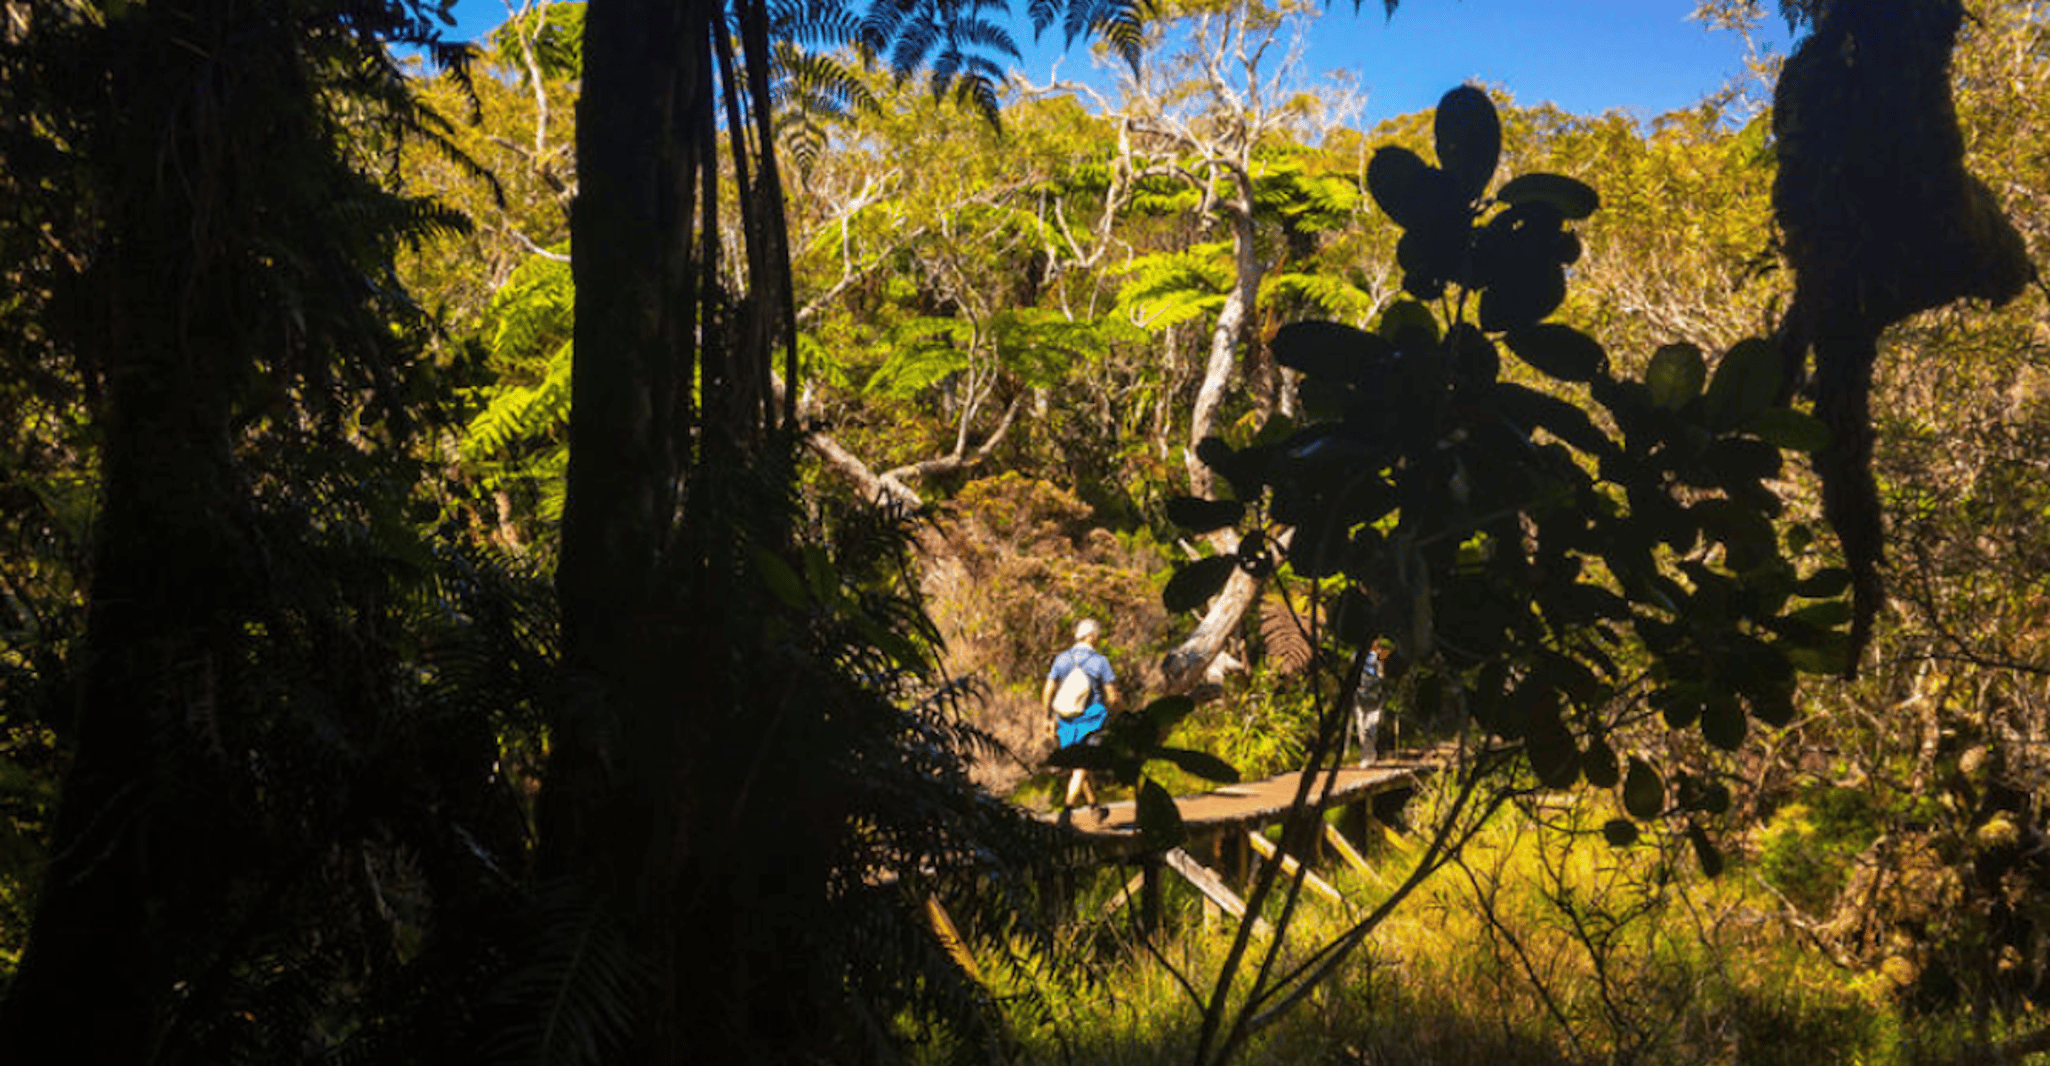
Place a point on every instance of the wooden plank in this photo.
(1211, 886)
(1345, 850)
(1290, 866)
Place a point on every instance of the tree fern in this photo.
(924, 352)
(1169, 288)
(518, 415)
(1328, 296)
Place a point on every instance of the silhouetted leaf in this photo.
(1198, 515)
(1531, 410)
(1469, 139)
(1705, 851)
(1619, 832)
(1574, 199)
(1775, 705)
(1473, 356)
(1327, 351)
(1559, 351)
(1722, 721)
(1549, 746)
(1675, 376)
(1200, 763)
(1520, 297)
(1599, 765)
(1831, 581)
(1745, 382)
(1192, 586)
(1086, 757)
(1242, 468)
(1790, 429)
(1644, 791)
(1408, 319)
(1400, 181)
(1160, 821)
(1825, 615)
(1166, 712)
(782, 581)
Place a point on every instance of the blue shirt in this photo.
(1093, 664)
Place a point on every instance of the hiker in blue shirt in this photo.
(1078, 713)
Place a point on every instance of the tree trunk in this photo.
(1225, 338)
(612, 808)
(144, 836)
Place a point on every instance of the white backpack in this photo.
(1072, 698)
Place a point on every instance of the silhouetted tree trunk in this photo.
(651, 800)
(611, 809)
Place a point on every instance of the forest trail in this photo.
(1252, 803)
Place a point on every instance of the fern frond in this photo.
(1174, 287)
(1329, 297)
(519, 415)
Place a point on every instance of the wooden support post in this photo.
(1212, 888)
(1345, 850)
(1290, 866)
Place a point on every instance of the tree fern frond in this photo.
(981, 33)
(1330, 297)
(1174, 287)
(518, 415)
(573, 999)
(914, 43)
(879, 29)
(1283, 637)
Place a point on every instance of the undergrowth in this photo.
(1543, 945)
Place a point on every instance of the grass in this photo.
(1542, 945)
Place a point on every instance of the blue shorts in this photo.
(1074, 730)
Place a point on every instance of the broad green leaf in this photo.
(1644, 791)
(1676, 375)
(1574, 199)
(1825, 615)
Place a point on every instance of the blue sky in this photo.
(1642, 56)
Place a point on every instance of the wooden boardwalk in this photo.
(1247, 805)
(1225, 825)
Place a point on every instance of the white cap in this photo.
(1087, 629)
